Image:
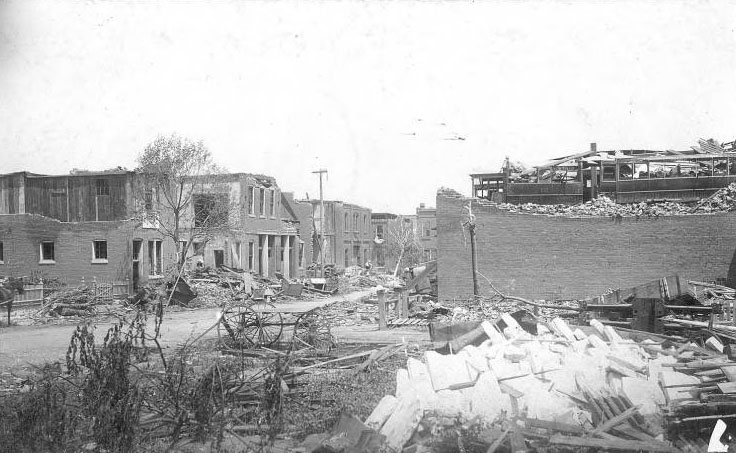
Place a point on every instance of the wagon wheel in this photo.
(243, 327)
(310, 331)
(702, 335)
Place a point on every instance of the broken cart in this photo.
(260, 323)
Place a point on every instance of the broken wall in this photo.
(554, 257)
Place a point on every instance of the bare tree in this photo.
(182, 193)
(403, 244)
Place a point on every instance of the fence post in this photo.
(382, 309)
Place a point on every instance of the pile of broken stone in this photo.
(559, 387)
(723, 200)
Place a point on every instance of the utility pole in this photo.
(321, 171)
(470, 223)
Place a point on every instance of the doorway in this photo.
(219, 258)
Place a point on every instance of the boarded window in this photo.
(103, 187)
(47, 251)
(2, 253)
(251, 254)
(99, 250)
(347, 225)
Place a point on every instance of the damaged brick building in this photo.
(347, 236)
(265, 236)
(74, 226)
(83, 225)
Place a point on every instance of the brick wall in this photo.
(22, 234)
(545, 257)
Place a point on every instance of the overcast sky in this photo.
(394, 99)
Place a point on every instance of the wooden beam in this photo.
(609, 444)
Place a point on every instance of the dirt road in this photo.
(21, 346)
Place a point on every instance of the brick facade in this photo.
(264, 239)
(348, 234)
(382, 256)
(22, 234)
(35, 209)
(427, 231)
(547, 257)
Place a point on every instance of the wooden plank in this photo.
(730, 372)
(556, 426)
(609, 444)
(727, 387)
(615, 421)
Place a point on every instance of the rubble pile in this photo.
(558, 388)
(721, 201)
(347, 313)
(79, 301)
(389, 281)
(361, 281)
(476, 309)
(601, 207)
(210, 295)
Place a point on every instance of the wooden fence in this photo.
(33, 294)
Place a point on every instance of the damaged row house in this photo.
(345, 231)
(85, 226)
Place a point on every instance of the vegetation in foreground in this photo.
(125, 394)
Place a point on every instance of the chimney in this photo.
(421, 205)
(593, 148)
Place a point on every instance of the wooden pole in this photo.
(321, 171)
(382, 309)
(474, 259)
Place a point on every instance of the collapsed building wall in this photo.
(557, 257)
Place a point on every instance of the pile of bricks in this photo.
(556, 388)
(602, 207)
(722, 201)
